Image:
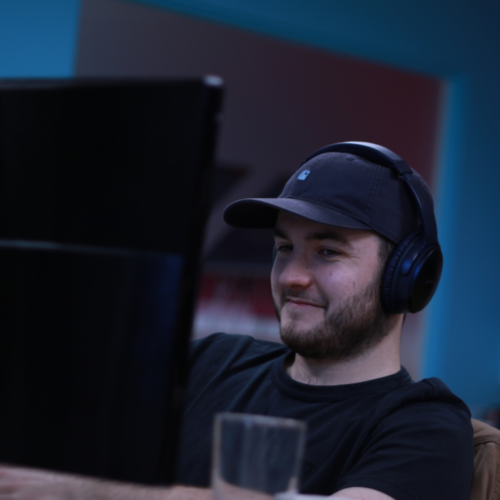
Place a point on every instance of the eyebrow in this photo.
(317, 235)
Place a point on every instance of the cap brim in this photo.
(263, 213)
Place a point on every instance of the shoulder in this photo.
(421, 437)
(428, 389)
(233, 350)
(434, 412)
(224, 369)
(428, 399)
(234, 342)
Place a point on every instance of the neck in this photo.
(379, 361)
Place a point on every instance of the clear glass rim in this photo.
(249, 419)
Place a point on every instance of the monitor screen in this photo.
(104, 189)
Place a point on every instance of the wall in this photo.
(454, 40)
(283, 100)
(460, 42)
(38, 38)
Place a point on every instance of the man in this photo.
(373, 433)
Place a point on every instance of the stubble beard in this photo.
(351, 329)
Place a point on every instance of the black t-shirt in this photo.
(410, 440)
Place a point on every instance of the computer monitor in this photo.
(104, 192)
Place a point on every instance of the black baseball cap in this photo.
(338, 189)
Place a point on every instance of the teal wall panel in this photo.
(38, 37)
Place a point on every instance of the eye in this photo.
(283, 248)
(329, 252)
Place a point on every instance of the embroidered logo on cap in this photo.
(303, 175)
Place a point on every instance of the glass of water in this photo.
(256, 457)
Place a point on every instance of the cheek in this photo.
(274, 282)
(337, 284)
(333, 279)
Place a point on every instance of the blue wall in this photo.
(38, 38)
(459, 42)
(450, 39)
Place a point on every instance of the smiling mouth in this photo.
(300, 302)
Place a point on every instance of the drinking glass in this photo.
(256, 457)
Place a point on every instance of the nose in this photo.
(293, 272)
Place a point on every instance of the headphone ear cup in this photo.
(390, 271)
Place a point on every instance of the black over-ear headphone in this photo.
(413, 270)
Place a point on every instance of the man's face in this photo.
(326, 289)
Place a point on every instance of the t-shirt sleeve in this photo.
(421, 451)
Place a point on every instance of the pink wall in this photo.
(283, 101)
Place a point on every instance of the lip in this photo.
(300, 302)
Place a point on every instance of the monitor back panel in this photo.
(104, 190)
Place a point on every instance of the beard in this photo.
(356, 325)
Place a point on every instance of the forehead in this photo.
(294, 226)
